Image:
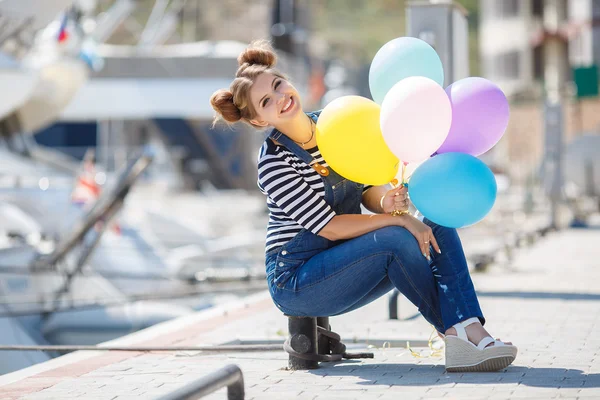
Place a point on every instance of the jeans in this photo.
(355, 272)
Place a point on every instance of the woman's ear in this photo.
(259, 123)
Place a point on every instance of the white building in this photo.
(584, 45)
(511, 32)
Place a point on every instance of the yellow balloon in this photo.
(350, 140)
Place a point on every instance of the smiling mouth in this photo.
(288, 106)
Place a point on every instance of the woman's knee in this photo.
(396, 240)
(390, 235)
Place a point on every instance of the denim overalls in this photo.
(342, 195)
(313, 276)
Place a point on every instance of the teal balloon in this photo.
(401, 58)
(453, 189)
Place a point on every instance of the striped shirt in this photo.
(295, 194)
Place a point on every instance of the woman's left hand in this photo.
(395, 199)
(423, 233)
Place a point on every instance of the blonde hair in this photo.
(233, 104)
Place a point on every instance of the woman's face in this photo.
(275, 100)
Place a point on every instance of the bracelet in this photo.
(395, 213)
(398, 213)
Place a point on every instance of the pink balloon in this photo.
(415, 119)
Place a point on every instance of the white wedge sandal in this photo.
(464, 356)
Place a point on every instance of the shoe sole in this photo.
(462, 356)
(491, 365)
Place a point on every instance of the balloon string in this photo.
(403, 172)
(394, 182)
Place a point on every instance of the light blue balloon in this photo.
(399, 59)
(453, 189)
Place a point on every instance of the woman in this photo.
(325, 258)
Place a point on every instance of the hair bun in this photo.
(222, 102)
(259, 52)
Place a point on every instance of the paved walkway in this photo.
(547, 303)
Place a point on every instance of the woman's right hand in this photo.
(422, 233)
(395, 199)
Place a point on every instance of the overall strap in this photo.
(291, 146)
(297, 150)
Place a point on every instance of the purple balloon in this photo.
(479, 116)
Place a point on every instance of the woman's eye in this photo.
(266, 101)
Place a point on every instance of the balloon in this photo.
(401, 58)
(415, 118)
(479, 116)
(350, 140)
(453, 189)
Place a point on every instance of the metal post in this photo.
(303, 339)
(590, 189)
(104, 142)
(393, 304)
(555, 54)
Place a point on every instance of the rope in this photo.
(221, 348)
(16, 270)
(166, 295)
(99, 273)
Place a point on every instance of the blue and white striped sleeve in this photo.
(286, 188)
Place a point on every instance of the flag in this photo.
(63, 35)
(87, 191)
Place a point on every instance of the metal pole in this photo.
(153, 23)
(230, 376)
(103, 140)
(393, 304)
(554, 76)
(590, 189)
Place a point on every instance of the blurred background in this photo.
(120, 205)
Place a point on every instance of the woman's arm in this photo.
(371, 198)
(348, 226)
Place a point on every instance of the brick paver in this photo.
(547, 303)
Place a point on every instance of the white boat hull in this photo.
(17, 85)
